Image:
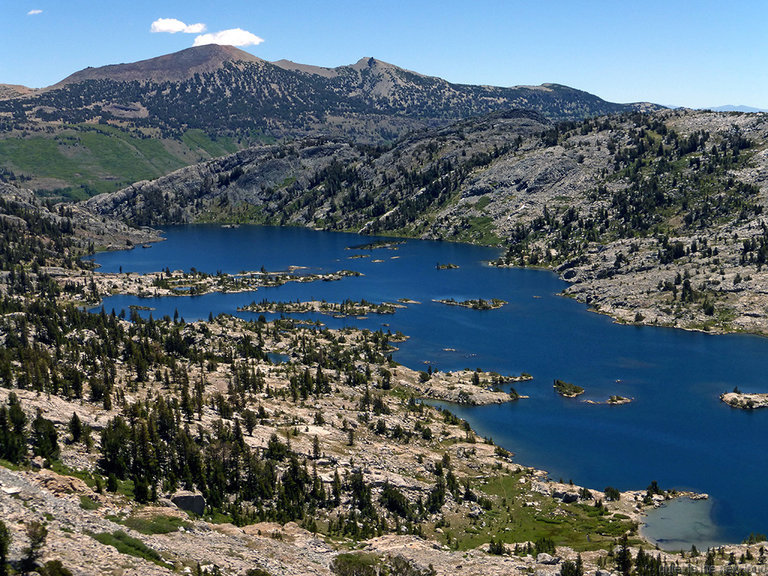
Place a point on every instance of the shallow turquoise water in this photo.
(676, 431)
(679, 523)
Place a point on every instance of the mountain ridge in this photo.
(174, 110)
(736, 108)
(168, 67)
(381, 85)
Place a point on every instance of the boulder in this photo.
(544, 558)
(59, 484)
(189, 502)
(566, 496)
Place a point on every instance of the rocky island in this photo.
(567, 389)
(341, 309)
(745, 401)
(474, 304)
(613, 400)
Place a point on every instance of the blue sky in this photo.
(689, 53)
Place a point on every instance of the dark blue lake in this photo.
(676, 431)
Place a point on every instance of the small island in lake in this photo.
(345, 308)
(378, 244)
(447, 266)
(478, 304)
(745, 401)
(567, 389)
(614, 400)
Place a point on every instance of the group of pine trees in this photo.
(16, 433)
(159, 445)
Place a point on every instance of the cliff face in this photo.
(654, 218)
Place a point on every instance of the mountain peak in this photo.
(367, 63)
(170, 67)
(370, 63)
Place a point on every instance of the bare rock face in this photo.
(189, 502)
(63, 485)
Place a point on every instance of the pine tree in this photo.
(37, 533)
(45, 439)
(5, 543)
(75, 427)
(624, 557)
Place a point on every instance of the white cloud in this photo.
(34, 12)
(233, 37)
(172, 26)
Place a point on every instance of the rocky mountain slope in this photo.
(43, 235)
(655, 218)
(175, 67)
(177, 109)
(95, 520)
(221, 88)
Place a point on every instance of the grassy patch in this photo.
(196, 139)
(482, 203)
(480, 231)
(9, 465)
(128, 545)
(217, 517)
(88, 503)
(155, 524)
(89, 159)
(239, 214)
(88, 477)
(511, 519)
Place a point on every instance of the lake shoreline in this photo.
(575, 290)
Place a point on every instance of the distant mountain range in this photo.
(209, 100)
(739, 108)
